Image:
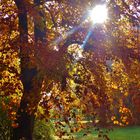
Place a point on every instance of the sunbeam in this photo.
(67, 34)
(98, 15)
(86, 39)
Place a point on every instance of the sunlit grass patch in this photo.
(125, 133)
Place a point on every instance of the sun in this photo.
(99, 14)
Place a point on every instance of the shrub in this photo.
(43, 130)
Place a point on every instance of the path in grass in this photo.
(126, 133)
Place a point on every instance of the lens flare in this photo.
(98, 14)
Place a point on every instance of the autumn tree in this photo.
(29, 74)
(45, 36)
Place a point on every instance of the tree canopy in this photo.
(46, 74)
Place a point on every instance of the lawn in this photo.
(126, 133)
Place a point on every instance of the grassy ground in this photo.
(127, 133)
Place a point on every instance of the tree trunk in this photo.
(29, 79)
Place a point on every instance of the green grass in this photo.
(126, 133)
